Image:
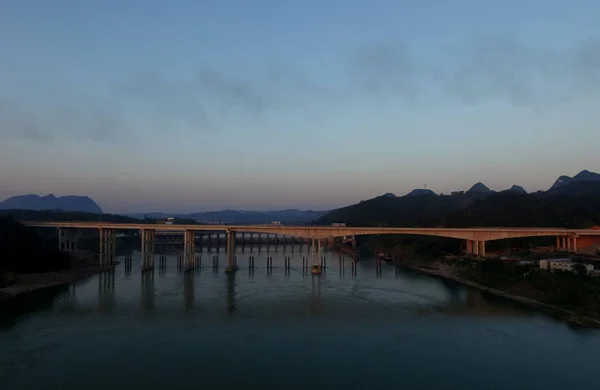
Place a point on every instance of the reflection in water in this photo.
(231, 309)
(147, 290)
(106, 291)
(188, 290)
(365, 324)
(315, 301)
(12, 310)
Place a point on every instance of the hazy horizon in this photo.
(185, 106)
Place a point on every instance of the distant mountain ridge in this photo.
(583, 176)
(241, 216)
(51, 202)
(570, 201)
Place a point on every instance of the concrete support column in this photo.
(482, 248)
(568, 244)
(61, 239)
(557, 243)
(574, 246)
(102, 247)
(319, 251)
(475, 246)
(148, 237)
(231, 259)
(469, 249)
(189, 237)
(67, 239)
(111, 247)
(312, 251)
(108, 245)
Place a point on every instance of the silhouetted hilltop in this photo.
(575, 204)
(420, 191)
(479, 188)
(583, 176)
(51, 202)
(517, 189)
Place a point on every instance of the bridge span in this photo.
(566, 239)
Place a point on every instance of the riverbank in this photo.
(26, 283)
(438, 269)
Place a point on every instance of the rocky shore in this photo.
(26, 283)
(445, 271)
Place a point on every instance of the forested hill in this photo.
(505, 208)
(64, 216)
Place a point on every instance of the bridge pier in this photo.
(148, 237)
(108, 244)
(67, 239)
(189, 261)
(481, 248)
(476, 247)
(231, 258)
(316, 268)
(566, 243)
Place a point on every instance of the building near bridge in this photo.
(563, 264)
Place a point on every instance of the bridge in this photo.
(476, 238)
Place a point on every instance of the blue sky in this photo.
(198, 105)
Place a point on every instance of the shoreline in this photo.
(40, 281)
(552, 310)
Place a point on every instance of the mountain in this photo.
(389, 194)
(583, 176)
(242, 217)
(506, 208)
(571, 202)
(561, 181)
(51, 202)
(517, 189)
(420, 191)
(479, 188)
(404, 211)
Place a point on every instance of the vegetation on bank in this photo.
(66, 216)
(472, 209)
(24, 250)
(573, 291)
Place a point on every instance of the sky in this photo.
(183, 106)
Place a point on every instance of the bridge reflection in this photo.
(231, 308)
(148, 292)
(447, 297)
(106, 291)
(188, 290)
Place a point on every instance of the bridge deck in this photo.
(474, 233)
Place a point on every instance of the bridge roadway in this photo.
(566, 239)
(316, 232)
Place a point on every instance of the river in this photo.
(285, 330)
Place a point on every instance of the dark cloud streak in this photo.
(480, 70)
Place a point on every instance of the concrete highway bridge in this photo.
(476, 238)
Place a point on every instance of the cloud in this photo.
(478, 70)
(385, 69)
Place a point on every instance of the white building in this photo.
(563, 265)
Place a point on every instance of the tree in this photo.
(580, 269)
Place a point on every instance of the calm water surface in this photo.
(278, 330)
